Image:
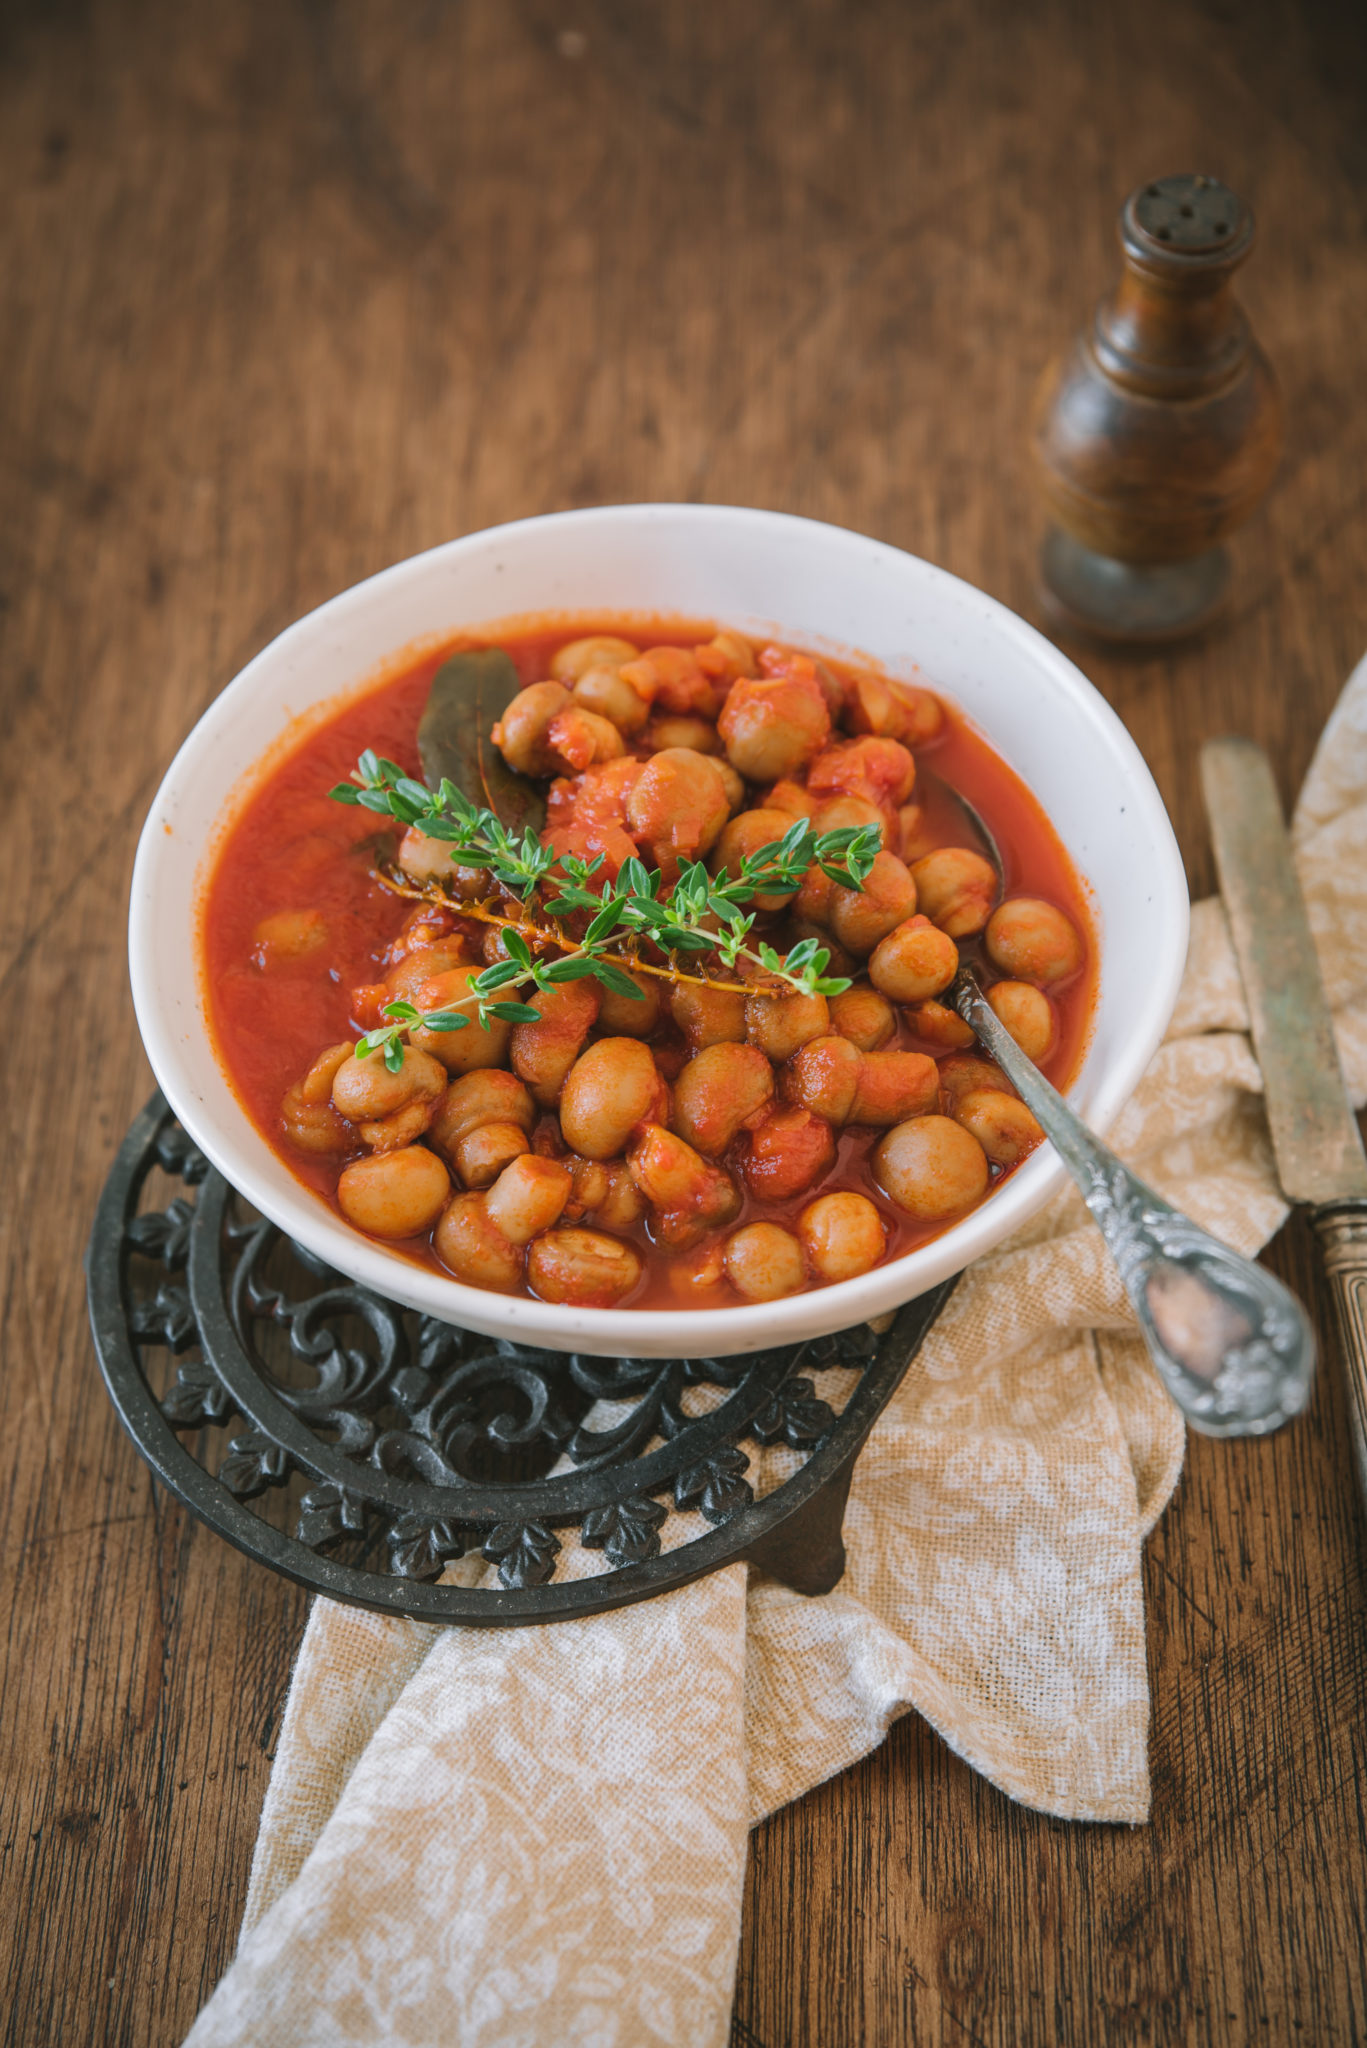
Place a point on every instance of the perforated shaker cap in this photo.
(1190, 218)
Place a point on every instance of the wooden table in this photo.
(295, 289)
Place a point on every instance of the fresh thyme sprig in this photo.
(516, 970)
(389, 1038)
(702, 913)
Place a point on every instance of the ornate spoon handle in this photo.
(1233, 1346)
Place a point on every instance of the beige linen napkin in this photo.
(537, 1836)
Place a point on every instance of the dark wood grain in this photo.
(295, 288)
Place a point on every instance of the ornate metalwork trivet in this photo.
(362, 1449)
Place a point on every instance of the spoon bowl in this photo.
(1233, 1347)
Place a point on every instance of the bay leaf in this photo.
(469, 693)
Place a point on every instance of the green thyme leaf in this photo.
(620, 983)
(498, 976)
(634, 879)
(606, 921)
(574, 967)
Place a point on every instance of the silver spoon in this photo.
(1233, 1347)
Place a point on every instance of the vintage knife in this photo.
(1320, 1159)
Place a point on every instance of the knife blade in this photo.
(1314, 1132)
(1319, 1151)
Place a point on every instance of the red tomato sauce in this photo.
(291, 848)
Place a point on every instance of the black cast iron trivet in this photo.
(379, 1445)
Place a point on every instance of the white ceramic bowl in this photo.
(816, 586)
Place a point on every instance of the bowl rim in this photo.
(684, 1332)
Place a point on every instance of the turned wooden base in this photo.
(1099, 598)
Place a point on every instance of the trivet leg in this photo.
(807, 1552)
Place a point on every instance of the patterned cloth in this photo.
(525, 1837)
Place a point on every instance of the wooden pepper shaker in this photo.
(1159, 432)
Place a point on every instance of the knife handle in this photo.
(1341, 1228)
